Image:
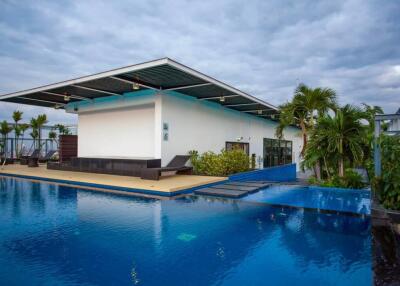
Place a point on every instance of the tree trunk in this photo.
(341, 160)
(341, 167)
(317, 170)
(304, 134)
(40, 139)
(326, 168)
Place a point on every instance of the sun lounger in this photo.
(176, 166)
(25, 159)
(4, 160)
(31, 160)
(48, 156)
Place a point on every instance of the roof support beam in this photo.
(62, 95)
(217, 83)
(255, 110)
(96, 90)
(387, 117)
(41, 100)
(217, 97)
(132, 82)
(241, 104)
(188, 86)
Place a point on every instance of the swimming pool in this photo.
(57, 235)
(320, 198)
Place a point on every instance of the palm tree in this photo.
(41, 121)
(303, 111)
(17, 116)
(53, 137)
(370, 112)
(5, 128)
(22, 129)
(307, 104)
(342, 137)
(62, 129)
(34, 133)
(37, 125)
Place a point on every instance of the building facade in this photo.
(151, 124)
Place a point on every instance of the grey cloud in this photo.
(261, 47)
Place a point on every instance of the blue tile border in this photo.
(284, 173)
(113, 188)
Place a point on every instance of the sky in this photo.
(264, 48)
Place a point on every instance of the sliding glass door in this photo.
(277, 152)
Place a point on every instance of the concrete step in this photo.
(249, 184)
(221, 192)
(236, 188)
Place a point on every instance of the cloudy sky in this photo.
(262, 47)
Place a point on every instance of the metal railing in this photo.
(26, 146)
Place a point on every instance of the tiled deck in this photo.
(166, 186)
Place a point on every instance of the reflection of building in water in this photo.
(26, 199)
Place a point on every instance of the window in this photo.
(277, 152)
(237, 145)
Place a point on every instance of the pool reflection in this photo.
(66, 236)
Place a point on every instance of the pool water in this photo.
(56, 235)
(332, 199)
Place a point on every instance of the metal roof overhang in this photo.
(163, 74)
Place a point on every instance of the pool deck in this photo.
(166, 186)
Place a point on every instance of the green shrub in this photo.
(222, 164)
(351, 180)
(312, 180)
(387, 187)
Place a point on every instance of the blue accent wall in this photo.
(285, 173)
(102, 101)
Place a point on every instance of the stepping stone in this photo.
(220, 193)
(249, 184)
(236, 188)
(262, 182)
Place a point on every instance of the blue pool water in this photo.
(55, 235)
(353, 201)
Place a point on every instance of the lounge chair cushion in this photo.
(179, 161)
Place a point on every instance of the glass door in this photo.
(277, 152)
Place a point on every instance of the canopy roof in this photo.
(162, 74)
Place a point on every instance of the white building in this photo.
(394, 124)
(160, 109)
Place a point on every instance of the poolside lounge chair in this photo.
(25, 160)
(48, 156)
(176, 166)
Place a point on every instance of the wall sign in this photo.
(165, 126)
(165, 131)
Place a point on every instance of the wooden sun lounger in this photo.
(48, 156)
(30, 159)
(176, 166)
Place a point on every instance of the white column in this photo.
(158, 126)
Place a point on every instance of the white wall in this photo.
(203, 126)
(394, 125)
(132, 127)
(117, 132)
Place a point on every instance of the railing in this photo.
(26, 146)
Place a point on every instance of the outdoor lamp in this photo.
(135, 86)
(67, 97)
